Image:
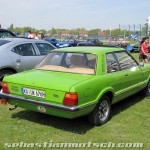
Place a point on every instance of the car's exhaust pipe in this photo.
(12, 108)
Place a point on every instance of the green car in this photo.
(74, 82)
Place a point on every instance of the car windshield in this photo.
(2, 42)
(80, 63)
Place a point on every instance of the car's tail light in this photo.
(70, 99)
(5, 87)
(3, 101)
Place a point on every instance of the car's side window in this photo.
(44, 48)
(125, 60)
(53, 40)
(24, 50)
(112, 65)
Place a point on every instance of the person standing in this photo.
(36, 36)
(30, 35)
(144, 50)
(42, 36)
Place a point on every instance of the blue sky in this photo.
(45, 14)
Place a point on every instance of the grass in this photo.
(136, 56)
(129, 123)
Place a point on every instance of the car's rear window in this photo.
(2, 42)
(72, 62)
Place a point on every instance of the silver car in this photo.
(20, 54)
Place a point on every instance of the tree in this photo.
(42, 31)
(11, 28)
(93, 32)
(107, 32)
(53, 31)
(116, 32)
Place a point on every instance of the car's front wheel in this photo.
(101, 113)
(4, 73)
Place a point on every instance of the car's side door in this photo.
(116, 77)
(133, 77)
(27, 56)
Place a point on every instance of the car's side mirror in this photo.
(141, 64)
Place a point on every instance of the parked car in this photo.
(78, 81)
(19, 54)
(121, 43)
(6, 33)
(67, 43)
(136, 47)
(90, 42)
(51, 40)
(111, 45)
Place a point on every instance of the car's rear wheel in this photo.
(147, 90)
(4, 73)
(101, 113)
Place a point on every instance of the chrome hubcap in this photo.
(103, 110)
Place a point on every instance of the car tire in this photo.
(146, 91)
(4, 73)
(101, 113)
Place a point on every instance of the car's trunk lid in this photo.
(53, 84)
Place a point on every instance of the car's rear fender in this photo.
(106, 91)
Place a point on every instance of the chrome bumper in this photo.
(46, 104)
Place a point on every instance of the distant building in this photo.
(101, 33)
(83, 33)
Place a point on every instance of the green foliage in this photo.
(11, 28)
(23, 30)
(116, 32)
(53, 31)
(93, 32)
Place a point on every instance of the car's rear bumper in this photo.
(51, 109)
(41, 103)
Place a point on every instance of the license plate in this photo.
(31, 92)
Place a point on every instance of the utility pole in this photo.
(110, 31)
(119, 26)
(129, 30)
(134, 28)
(129, 27)
(140, 31)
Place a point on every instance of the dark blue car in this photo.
(51, 40)
(67, 43)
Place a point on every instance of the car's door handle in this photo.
(18, 60)
(126, 74)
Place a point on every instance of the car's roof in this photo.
(12, 41)
(90, 49)
(5, 30)
(17, 40)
